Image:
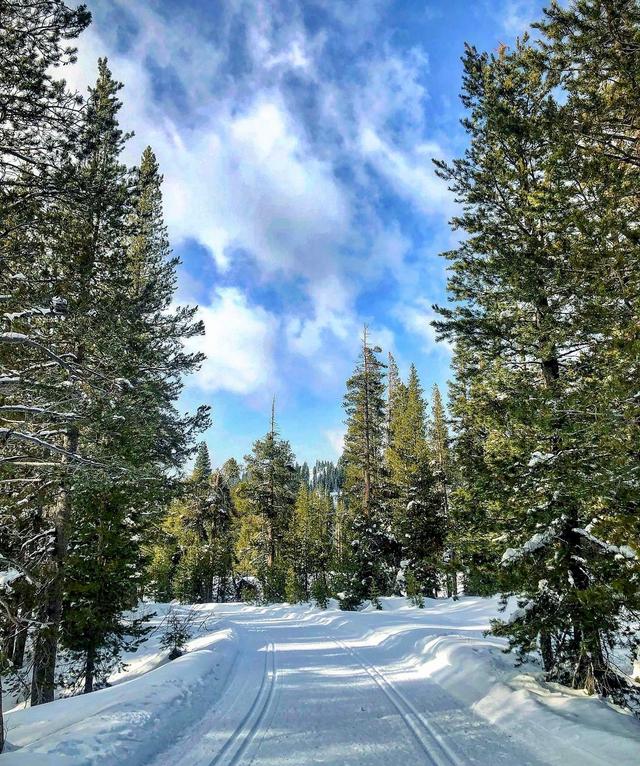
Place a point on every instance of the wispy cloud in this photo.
(335, 439)
(417, 319)
(239, 345)
(272, 153)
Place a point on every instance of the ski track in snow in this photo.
(241, 740)
(434, 745)
(297, 686)
(301, 715)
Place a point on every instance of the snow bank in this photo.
(562, 725)
(128, 722)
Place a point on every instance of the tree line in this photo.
(91, 360)
(272, 530)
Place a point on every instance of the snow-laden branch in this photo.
(539, 540)
(7, 434)
(22, 339)
(37, 411)
(621, 551)
(38, 311)
(10, 380)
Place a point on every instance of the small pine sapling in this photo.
(320, 592)
(413, 590)
(177, 631)
(374, 595)
(293, 592)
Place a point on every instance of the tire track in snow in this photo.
(236, 746)
(430, 740)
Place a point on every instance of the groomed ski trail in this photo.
(318, 689)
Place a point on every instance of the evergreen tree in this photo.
(537, 379)
(396, 394)
(202, 466)
(137, 426)
(474, 544)
(88, 250)
(103, 580)
(365, 484)
(418, 519)
(194, 559)
(40, 119)
(438, 442)
(309, 542)
(270, 486)
(231, 472)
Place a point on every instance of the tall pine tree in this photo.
(366, 483)
(533, 368)
(270, 486)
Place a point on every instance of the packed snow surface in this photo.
(283, 684)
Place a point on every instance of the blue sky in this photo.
(296, 139)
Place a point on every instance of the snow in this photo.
(8, 576)
(619, 551)
(540, 457)
(296, 685)
(537, 541)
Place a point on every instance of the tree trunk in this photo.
(89, 671)
(546, 650)
(50, 613)
(1, 718)
(9, 642)
(19, 645)
(46, 642)
(271, 556)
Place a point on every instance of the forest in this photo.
(521, 480)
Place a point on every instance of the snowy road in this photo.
(294, 685)
(335, 690)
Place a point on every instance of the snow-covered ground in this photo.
(295, 685)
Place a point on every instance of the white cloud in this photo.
(417, 319)
(246, 169)
(410, 172)
(335, 438)
(239, 343)
(516, 16)
(332, 302)
(248, 183)
(242, 177)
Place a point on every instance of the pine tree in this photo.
(91, 242)
(300, 544)
(309, 541)
(114, 382)
(231, 472)
(396, 395)
(40, 117)
(373, 546)
(103, 580)
(474, 532)
(418, 520)
(438, 441)
(91, 355)
(194, 559)
(202, 466)
(269, 486)
(533, 375)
